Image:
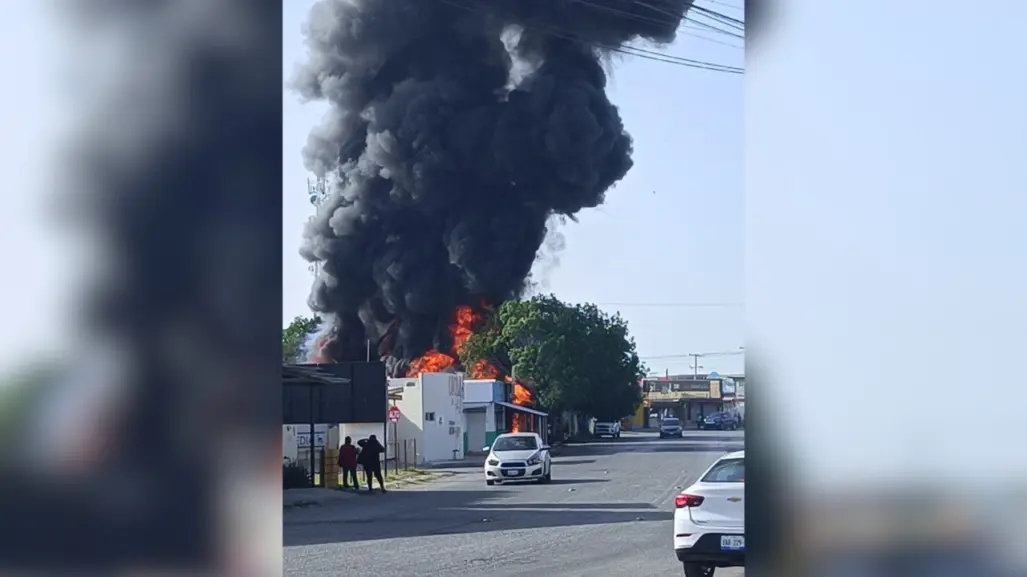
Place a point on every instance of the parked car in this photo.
(518, 457)
(671, 427)
(606, 429)
(723, 421)
(709, 519)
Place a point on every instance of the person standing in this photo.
(348, 463)
(370, 458)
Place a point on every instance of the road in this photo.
(608, 511)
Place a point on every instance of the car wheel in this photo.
(698, 570)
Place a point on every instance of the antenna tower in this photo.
(317, 191)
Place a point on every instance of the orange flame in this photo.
(521, 397)
(465, 320)
(433, 361)
(318, 355)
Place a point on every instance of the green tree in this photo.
(294, 335)
(580, 358)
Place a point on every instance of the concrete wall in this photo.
(362, 431)
(442, 398)
(290, 450)
(479, 391)
(411, 419)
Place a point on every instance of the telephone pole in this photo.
(695, 364)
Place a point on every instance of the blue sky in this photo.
(671, 233)
(886, 204)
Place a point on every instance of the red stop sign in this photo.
(393, 414)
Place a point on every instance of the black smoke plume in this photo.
(456, 129)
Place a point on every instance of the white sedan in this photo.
(709, 518)
(518, 457)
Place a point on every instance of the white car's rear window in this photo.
(671, 422)
(726, 471)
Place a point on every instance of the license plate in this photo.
(732, 542)
(513, 473)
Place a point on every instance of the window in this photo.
(726, 471)
(516, 443)
(429, 417)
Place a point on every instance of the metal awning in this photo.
(309, 375)
(522, 409)
(475, 406)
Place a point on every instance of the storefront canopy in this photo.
(522, 409)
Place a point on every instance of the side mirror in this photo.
(485, 448)
(545, 447)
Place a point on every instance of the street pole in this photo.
(695, 366)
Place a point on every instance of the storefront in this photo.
(488, 413)
(689, 400)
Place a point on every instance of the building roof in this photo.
(309, 375)
(522, 409)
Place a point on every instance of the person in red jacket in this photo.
(348, 463)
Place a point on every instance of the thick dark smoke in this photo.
(456, 129)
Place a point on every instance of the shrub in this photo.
(295, 476)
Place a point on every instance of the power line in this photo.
(689, 18)
(690, 356)
(624, 49)
(641, 18)
(727, 4)
(695, 33)
(674, 305)
(724, 18)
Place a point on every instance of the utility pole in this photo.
(695, 365)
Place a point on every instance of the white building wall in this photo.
(442, 399)
(478, 391)
(290, 449)
(362, 431)
(410, 428)
(480, 426)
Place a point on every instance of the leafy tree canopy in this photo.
(294, 335)
(579, 357)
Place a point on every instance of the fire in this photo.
(433, 361)
(465, 320)
(521, 397)
(317, 354)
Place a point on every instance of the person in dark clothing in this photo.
(370, 459)
(348, 463)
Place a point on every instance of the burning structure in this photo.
(456, 130)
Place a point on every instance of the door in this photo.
(475, 430)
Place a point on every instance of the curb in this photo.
(421, 480)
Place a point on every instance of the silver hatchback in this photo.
(671, 427)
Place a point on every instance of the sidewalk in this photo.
(312, 497)
(478, 461)
(469, 462)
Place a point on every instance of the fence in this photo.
(313, 463)
(401, 455)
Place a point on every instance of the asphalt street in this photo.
(608, 511)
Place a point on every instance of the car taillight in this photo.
(687, 501)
